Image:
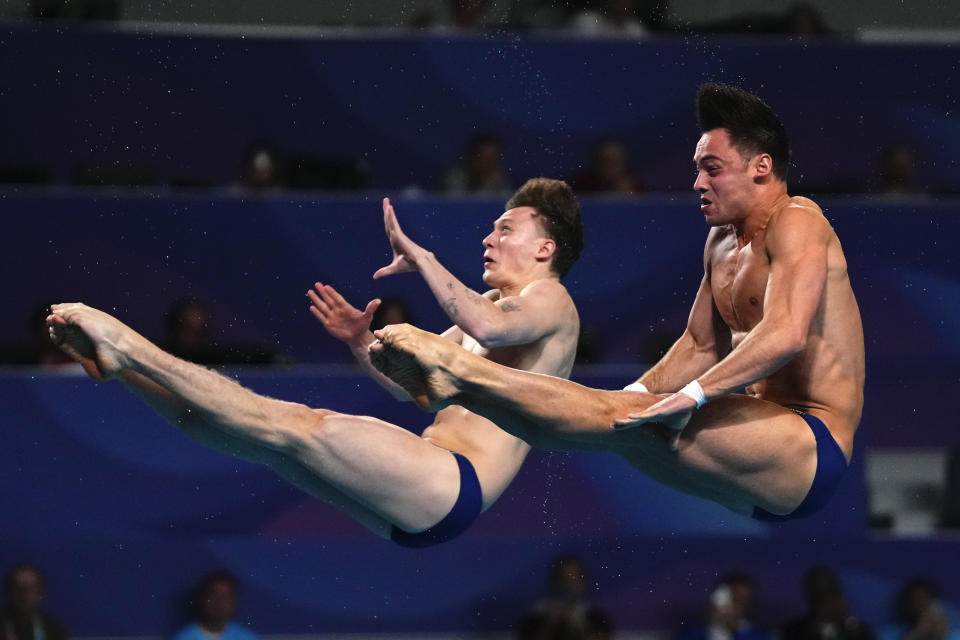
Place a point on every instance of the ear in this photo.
(764, 165)
(546, 248)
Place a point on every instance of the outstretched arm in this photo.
(491, 322)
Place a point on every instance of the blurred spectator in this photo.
(828, 616)
(598, 626)
(919, 614)
(215, 604)
(22, 617)
(608, 171)
(262, 166)
(481, 171)
(391, 311)
(463, 16)
(898, 169)
(804, 21)
(468, 15)
(609, 18)
(728, 613)
(187, 328)
(565, 613)
(187, 336)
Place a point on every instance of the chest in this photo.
(738, 281)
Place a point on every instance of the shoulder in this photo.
(550, 286)
(717, 235)
(799, 211)
(716, 239)
(799, 222)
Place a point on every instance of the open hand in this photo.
(341, 319)
(673, 412)
(405, 250)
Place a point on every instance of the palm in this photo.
(340, 318)
(403, 247)
(347, 323)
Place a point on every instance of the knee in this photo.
(313, 429)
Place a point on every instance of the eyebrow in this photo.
(706, 158)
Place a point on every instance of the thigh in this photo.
(739, 451)
(391, 471)
(290, 470)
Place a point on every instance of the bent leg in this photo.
(746, 452)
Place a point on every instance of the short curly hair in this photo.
(559, 213)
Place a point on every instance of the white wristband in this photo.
(694, 391)
(636, 386)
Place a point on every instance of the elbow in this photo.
(793, 343)
(488, 335)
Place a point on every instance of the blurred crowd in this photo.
(566, 611)
(585, 17)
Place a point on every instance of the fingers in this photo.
(371, 307)
(318, 304)
(632, 420)
(318, 314)
(325, 293)
(332, 295)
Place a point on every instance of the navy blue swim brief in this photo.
(831, 465)
(464, 512)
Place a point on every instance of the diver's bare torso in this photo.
(495, 454)
(826, 379)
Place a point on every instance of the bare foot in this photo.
(88, 336)
(418, 361)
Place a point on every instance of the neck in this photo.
(514, 288)
(760, 212)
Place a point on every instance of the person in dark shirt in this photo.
(22, 617)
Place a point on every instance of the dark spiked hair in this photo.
(559, 213)
(753, 126)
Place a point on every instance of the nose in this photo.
(488, 241)
(698, 183)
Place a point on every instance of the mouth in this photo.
(487, 260)
(704, 203)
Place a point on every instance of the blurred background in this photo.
(194, 167)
